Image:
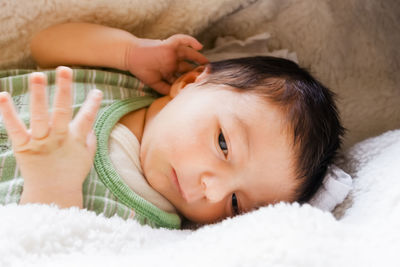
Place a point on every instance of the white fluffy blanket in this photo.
(283, 235)
(351, 45)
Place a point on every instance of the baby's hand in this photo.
(55, 154)
(157, 62)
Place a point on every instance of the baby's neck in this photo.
(137, 120)
(134, 121)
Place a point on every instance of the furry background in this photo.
(352, 46)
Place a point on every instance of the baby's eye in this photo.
(235, 206)
(222, 143)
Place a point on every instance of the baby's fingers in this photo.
(38, 105)
(161, 87)
(188, 53)
(184, 66)
(62, 110)
(16, 129)
(83, 122)
(186, 40)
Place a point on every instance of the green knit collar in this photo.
(111, 179)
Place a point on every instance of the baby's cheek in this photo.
(204, 212)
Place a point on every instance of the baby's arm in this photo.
(56, 154)
(81, 44)
(155, 62)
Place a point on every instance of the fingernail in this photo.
(97, 93)
(64, 72)
(37, 77)
(3, 97)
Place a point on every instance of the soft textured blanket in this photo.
(281, 235)
(351, 45)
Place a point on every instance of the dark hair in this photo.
(309, 108)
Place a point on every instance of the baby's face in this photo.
(213, 152)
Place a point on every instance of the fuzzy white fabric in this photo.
(335, 187)
(351, 45)
(282, 235)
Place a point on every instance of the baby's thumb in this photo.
(91, 143)
(161, 87)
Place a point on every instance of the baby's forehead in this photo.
(247, 106)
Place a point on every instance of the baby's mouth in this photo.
(176, 182)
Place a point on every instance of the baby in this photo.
(227, 138)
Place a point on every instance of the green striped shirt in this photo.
(103, 190)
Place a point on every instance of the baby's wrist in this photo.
(64, 196)
(130, 49)
(139, 52)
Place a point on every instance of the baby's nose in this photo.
(194, 194)
(215, 189)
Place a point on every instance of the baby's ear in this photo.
(196, 75)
